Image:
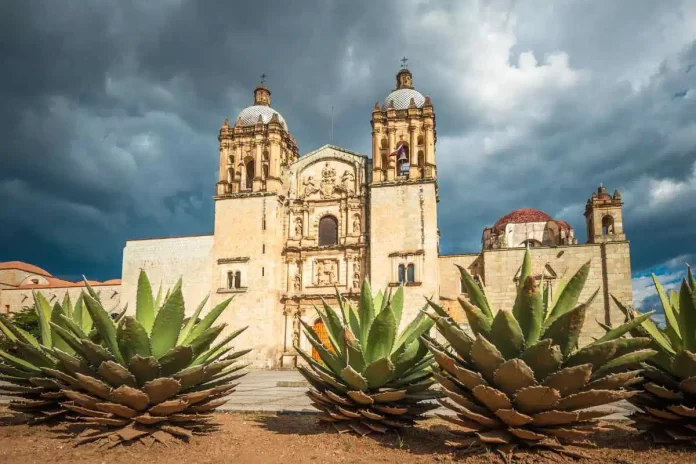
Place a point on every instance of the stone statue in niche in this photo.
(333, 273)
(298, 227)
(356, 274)
(310, 186)
(348, 182)
(297, 282)
(296, 328)
(356, 224)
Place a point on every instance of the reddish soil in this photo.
(267, 439)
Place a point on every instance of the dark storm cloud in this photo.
(111, 110)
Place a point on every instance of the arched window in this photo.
(250, 168)
(410, 273)
(238, 279)
(402, 273)
(328, 231)
(420, 140)
(230, 280)
(385, 143)
(607, 225)
(402, 160)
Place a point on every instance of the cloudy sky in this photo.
(110, 112)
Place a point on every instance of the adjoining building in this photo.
(289, 229)
(18, 280)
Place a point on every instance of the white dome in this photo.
(402, 98)
(250, 116)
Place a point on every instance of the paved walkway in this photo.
(260, 391)
(284, 392)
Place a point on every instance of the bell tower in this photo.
(403, 236)
(403, 134)
(254, 150)
(603, 216)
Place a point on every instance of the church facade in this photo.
(289, 229)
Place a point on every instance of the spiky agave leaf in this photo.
(149, 385)
(371, 378)
(667, 404)
(25, 366)
(521, 379)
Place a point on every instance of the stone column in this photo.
(392, 146)
(258, 164)
(429, 150)
(376, 155)
(412, 152)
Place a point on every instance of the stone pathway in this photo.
(261, 391)
(284, 392)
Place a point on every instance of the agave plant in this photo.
(370, 378)
(152, 377)
(668, 403)
(521, 379)
(23, 366)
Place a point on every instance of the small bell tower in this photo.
(603, 216)
(254, 150)
(403, 134)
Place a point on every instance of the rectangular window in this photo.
(263, 248)
(263, 223)
(402, 273)
(263, 271)
(234, 280)
(7, 308)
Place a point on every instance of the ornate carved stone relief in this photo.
(326, 272)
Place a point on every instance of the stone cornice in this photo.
(404, 254)
(317, 297)
(239, 259)
(227, 196)
(305, 249)
(392, 183)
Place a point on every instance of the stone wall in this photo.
(245, 242)
(610, 272)
(166, 260)
(403, 230)
(450, 281)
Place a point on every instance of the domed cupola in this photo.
(260, 111)
(527, 227)
(400, 98)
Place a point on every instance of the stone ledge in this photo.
(240, 259)
(232, 290)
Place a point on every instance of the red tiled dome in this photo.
(520, 216)
(564, 225)
(26, 267)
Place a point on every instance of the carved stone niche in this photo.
(326, 272)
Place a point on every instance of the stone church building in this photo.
(290, 228)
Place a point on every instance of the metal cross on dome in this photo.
(403, 62)
(263, 78)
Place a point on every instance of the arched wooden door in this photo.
(320, 330)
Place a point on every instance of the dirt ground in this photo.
(247, 438)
